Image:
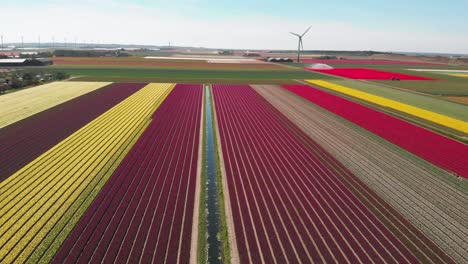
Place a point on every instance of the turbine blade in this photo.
(302, 45)
(306, 31)
(295, 34)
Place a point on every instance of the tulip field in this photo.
(370, 74)
(27, 139)
(438, 149)
(144, 213)
(312, 170)
(25, 103)
(409, 109)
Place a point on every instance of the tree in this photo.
(27, 78)
(16, 83)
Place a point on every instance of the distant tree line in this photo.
(24, 78)
(90, 53)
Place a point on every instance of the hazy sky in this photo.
(410, 25)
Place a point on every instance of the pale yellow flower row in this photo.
(22, 104)
(460, 75)
(405, 108)
(34, 199)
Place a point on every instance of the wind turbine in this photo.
(300, 44)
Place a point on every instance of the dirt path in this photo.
(196, 208)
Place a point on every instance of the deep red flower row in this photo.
(287, 203)
(23, 141)
(440, 150)
(144, 212)
(371, 74)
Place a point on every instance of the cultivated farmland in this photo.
(41, 203)
(22, 104)
(230, 173)
(444, 120)
(365, 62)
(440, 150)
(432, 199)
(28, 138)
(370, 74)
(144, 213)
(287, 203)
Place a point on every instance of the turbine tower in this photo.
(300, 44)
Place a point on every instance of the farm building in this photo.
(279, 60)
(25, 62)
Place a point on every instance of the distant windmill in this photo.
(300, 44)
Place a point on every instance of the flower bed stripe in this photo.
(287, 204)
(442, 151)
(22, 104)
(46, 197)
(460, 75)
(450, 122)
(368, 62)
(27, 139)
(144, 213)
(370, 74)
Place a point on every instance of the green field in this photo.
(191, 75)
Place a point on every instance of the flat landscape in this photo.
(358, 161)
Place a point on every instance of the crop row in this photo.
(27, 139)
(370, 74)
(144, 213)
(442, 151)
(287, 203)
(411, 187)
(22, 104)
(402, 107)
(369, 62)
(41, 202)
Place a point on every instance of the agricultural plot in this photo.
(193, 75)
(446, 85)
(28, 138)
(22, 104)
(430, 198)
(418, 100)
(370, 74)
(43, 201)
(287, 202)
(440, 150)
(144, 213)
(136, 62)
(460, 75)
(366, 62)
(444, 120)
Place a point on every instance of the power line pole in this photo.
(22, 43)
(39, 41)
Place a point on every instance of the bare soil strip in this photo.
(196, 208)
